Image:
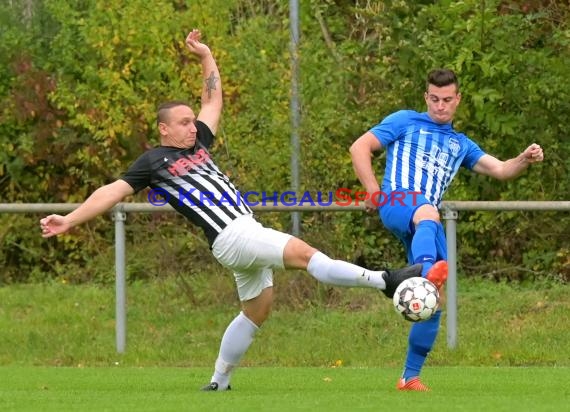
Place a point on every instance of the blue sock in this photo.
(423, 244)
(421, 340)
(441, 243)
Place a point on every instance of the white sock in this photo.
(235, 342)
(341, 273)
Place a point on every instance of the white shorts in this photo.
(251, 251)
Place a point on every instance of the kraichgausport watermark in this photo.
(340, 197)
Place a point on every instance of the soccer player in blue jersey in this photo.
(423, 154)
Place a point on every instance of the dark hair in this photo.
(163, 109)
(441, 78)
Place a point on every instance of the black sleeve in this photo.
(138, 175)
(205, 135)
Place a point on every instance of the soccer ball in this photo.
(416, 299)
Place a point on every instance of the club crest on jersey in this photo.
(454, 146)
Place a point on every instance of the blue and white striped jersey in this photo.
(421, 155)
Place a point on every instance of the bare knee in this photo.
(297, 254)
(258, 309)
(426, 212)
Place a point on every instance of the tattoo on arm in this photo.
(211, 84)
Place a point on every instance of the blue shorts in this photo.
(397, 215)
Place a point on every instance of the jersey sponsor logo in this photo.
(435, 160)
(186, 163)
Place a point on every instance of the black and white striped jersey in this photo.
(190, 182)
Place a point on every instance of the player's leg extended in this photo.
(423, 244)
(428, 244)
(299, 255)
(424, 248)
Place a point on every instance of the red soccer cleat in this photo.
(438, 273)
(414, 384)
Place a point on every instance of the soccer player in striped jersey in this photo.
(182, 170)
(423, 154)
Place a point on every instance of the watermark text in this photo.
(340, 197)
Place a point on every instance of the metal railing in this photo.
(449, 212)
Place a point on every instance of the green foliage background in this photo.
(80, 81)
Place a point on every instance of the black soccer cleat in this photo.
(393, 277)
(213, 386)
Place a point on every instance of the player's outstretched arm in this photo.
(509, 169)
(211, 100)
(100, 201)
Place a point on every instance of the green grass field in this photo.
(57, 351)
(281, 389)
